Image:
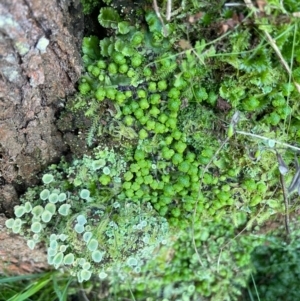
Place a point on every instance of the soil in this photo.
(39, 67)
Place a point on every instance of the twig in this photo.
(285, 198)
(296, 179)
(156, 8)
(169, 9)
(83, 294)
(266, 139)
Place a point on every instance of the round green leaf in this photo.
(47, 178)
(27, 207)
(36, 227)
(37, 211)
(124, 27)
(97, 256)
(51, 208)
(9, 223)
(46, 216)
(31, 244)
(87, 236)
(102, 275)
(106, 170)
(131, 261)
(62, 197)
(53, 198)
(81, 220)
(85, 194)
(64, 209)
(108, 17)
(92, 245)
(44, 194)
(19, 211)
(79, 228)
(58, 258)
(69, 259)
(85, 275)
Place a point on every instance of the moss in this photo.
(168, 102)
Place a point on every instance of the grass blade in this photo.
(31, 290)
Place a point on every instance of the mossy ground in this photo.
(202, 108)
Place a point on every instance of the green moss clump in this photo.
(166, 100)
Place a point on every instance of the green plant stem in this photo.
(256, 291)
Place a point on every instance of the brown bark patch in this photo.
(39, 66)
(16, 257)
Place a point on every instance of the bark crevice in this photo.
(39, 67)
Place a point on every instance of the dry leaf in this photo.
(195, 18)
(261, 5)
(184, 44)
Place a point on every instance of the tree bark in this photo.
(39, 66)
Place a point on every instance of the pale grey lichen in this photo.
(90, 229)
(42, 44)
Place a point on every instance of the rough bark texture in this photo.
(39, 66)
(15, 257)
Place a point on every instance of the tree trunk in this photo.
(39, 66)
